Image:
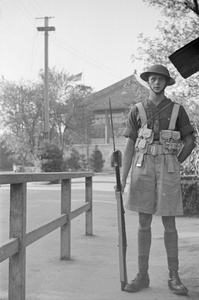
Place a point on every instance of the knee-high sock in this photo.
(171, 245)
(144, 244)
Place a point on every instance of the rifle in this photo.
(122, 240)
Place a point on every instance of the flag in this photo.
(77, 77)
(186, 59)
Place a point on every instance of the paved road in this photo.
(93, 271)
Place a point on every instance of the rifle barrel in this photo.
(120, 213)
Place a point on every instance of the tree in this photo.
(174, 8)
(21, 117)
(70, 117)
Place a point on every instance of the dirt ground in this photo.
(93, 271)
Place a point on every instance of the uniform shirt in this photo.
(160, 121)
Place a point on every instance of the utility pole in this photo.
(46, 29)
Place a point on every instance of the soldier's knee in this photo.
(145, 221)
(169, 224)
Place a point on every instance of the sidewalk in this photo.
(93, 271)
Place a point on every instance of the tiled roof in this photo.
(122, 94)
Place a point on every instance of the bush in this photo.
(96, 160)
(75, 162)
(6, 160)
(191, 165)
(190, 195)
(51, 158)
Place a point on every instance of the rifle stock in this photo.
(122, 240)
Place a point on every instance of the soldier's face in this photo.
(157, 82)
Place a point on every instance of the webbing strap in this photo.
(174, 116)
(173, 119)
(142, 113)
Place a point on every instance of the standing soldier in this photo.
(159, 138)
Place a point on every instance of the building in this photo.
(122, 95)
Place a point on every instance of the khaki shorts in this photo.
(155, 187)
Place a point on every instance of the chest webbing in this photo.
(173, 118)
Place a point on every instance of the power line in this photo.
(28, 12)
(25, 12)
(31, 57)
(87, 58)
(38, 8)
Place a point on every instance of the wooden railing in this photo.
(15, 247)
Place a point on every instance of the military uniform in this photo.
(162, 138)
(155, 175)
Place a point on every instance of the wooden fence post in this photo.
(65, 247)
(17, 262)
(89, 213)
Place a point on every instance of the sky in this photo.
(93, 37)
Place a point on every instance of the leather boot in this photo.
(140, 282)
(175, 284)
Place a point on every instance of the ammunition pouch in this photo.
(170, 141)
(145, 138)
(169, 144)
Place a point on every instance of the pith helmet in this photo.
(158, 69)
